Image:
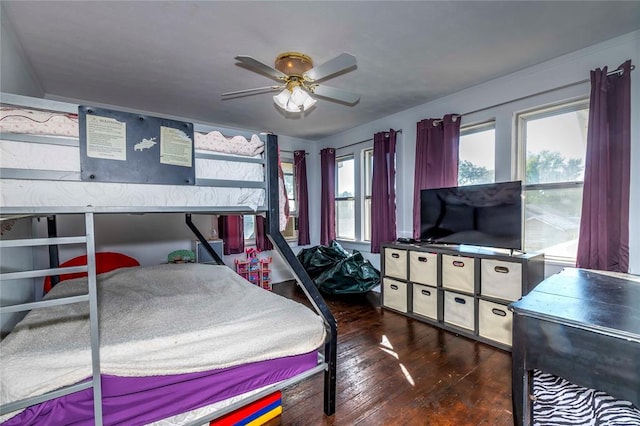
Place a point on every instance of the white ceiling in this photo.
(177, 57)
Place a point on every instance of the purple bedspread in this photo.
(141, 400)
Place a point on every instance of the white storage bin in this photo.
(425, 301)
(458, 273)
(459, 310)
(501, 279)
(395, 263)
(423, 267)
(394, 294)
(495, 322)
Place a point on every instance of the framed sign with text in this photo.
(124, 147)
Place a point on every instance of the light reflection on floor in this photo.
(386, 346)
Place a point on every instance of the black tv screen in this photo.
(488, 215)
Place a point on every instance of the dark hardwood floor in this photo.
(393, 370)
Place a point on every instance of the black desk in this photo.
(580, 325)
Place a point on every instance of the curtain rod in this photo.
(291, 152)
(617, 71)
(363, 141)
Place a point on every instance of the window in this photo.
(368, 184)
(291, 231)
(553, 142)
(249, 222)
(477, 163)
(289, 184)
(345, 198)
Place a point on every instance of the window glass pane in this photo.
(345, 176)
(367, 219)
(249, 227)
(556, 147)
(289, 185)
(552, 221)
(291, 230)
(368, 172)
(368, 185)
(477, 162)
(345, 219)
(287, 167)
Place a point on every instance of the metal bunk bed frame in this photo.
(270, 163)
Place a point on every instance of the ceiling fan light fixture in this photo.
(294, 99)
(300, 80)
(308, 103)
(293, 63)
(298, 96)
(282, 98)
(293, 107)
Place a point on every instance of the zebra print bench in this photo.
(559, 402)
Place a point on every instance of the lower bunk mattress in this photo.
(144, 400)
(172, 338)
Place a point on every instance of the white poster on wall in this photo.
(106, 138)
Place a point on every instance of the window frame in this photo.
(367, 192)
(293, 213)
(521, 119)
(354, 197)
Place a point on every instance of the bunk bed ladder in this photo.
(309, 288)
(93, 318)
(91, 297)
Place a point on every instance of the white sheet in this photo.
(166, 319)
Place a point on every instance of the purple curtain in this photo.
(383, 194)
(231, 230)
(302, 196)
(327, 196)
(437, 143)
(263, 243)
(604, 226)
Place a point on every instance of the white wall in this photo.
(562, 71)
(15, 259)
(17, 75)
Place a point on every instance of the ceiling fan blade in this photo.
(255, 91)
(336, 94)
(342, 62)
(261, 67)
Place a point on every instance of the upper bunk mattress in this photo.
(154, 321)
(62, 193)
(51, 123)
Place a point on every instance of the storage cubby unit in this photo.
(463, 289)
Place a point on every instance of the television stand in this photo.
(463, 289)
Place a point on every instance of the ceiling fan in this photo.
(299, 79)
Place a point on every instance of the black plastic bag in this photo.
(318, 259)
(336, 271)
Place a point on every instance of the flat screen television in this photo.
(488, 215)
